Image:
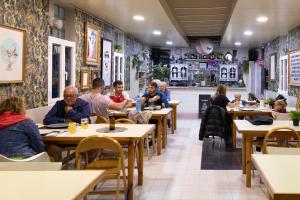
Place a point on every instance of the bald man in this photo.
(237, 98)
(71, 108)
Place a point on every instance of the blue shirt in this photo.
(21, 140)
(57, 114)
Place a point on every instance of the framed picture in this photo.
(294, 68)
(84, 79)
(95, 73)
(272, 66)
(12, 54)
(106, 61)
(92, 45)
(203, 65)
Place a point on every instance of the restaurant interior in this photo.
(150, 99)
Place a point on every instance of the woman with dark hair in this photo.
(220, 99)
(19, 136)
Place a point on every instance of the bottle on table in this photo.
(138, 104)
(112, 122)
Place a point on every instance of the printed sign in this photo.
(294, 68)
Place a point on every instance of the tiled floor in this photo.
(176, 173)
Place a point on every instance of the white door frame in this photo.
(282, 59)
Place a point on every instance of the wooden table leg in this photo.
(141, 161)
(165, 130)
(244, 154)
(159, 131)
(175, 117)
(233, 132)
(131, 154)
(248, 160)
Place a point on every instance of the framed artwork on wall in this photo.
(12, 54)
(84, 79)
(92, 44)
(272, 66)
(294, 68)
(106, 61)
(95, 73)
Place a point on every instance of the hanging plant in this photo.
(118, 48)
(137, 61)
(245, 66)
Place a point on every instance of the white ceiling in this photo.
(283, 16)
(120, 13)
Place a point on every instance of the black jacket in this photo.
(213, 123)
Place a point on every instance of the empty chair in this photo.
(91, 154)
(101, 120)
(281, 140)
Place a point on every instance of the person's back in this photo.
(99, 103)
(220, 100)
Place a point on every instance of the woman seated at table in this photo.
(19, 136)
(220, 99)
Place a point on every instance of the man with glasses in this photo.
(70, 109)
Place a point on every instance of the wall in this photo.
(280, 46)
(33, 17)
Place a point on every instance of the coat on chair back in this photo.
(213, 123)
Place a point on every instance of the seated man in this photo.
(99, 103)
(163, 89)
(70, 109)
(153, 97)
(238, 99)
(118, 95)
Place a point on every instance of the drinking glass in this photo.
(84, 123)
(72, 127)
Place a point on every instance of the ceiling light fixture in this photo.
(156, 32)
(248, 33)
(169, 42)
(237, 43)
(138, 18)
(262, 19)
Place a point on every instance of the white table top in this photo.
(30, 166)
(174, 101)
(132, 131)
(163, 111)
(248, 109)
(46, 185)
(245, 126)
(281, 172)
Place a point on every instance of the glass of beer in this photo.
(84, 123)
(72, 127)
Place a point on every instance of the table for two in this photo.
(131, 135)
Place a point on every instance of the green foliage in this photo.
(160, 72)
(251, 95)
(118, 48)
(137, 61)
(295, 115)
(270, 101)
(245, 66)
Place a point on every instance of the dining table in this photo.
(129, 134)
(173, 104)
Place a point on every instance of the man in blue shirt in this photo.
(70, 109)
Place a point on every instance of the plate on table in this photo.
(247, 109)
(56, 126)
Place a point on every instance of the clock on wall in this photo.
(228, 56)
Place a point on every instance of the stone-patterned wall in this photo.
(281, 46)
(31, 16)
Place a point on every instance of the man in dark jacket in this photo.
(70, 109)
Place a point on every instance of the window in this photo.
(283, 75)
(118, 69)
(61, 67)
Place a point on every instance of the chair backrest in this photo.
(101, 120)
(97, 144)
(124, 121)
(41, 157)
(283, 136)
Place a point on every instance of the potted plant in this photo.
(295, 116)
(270, 101)
(118, 48)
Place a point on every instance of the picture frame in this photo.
(202, 65)
(107, 61)
(12, 54)
(273, 66)
(92, 48)
(95, 73)
(294, 68)
(84, 79)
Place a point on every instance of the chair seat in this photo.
(41, 157)
(103, 164)
(283, 150)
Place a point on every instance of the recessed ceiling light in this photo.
(237, 43)
(138, 18)
(262, 19)
(248, 33)
(169, 42)
(156, 32)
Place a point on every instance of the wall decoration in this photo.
(92, 44)
(228, 72)
(203, 65)
(204, 46)
(95, 73)
(272, 66)
(12, 54)
(84, 79)
(106, 61)
(178, 72)
(294, 68)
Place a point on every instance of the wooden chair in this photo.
(101, 120)
(41, 157)
(280, 140)
(124, 121)
(91, 149)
